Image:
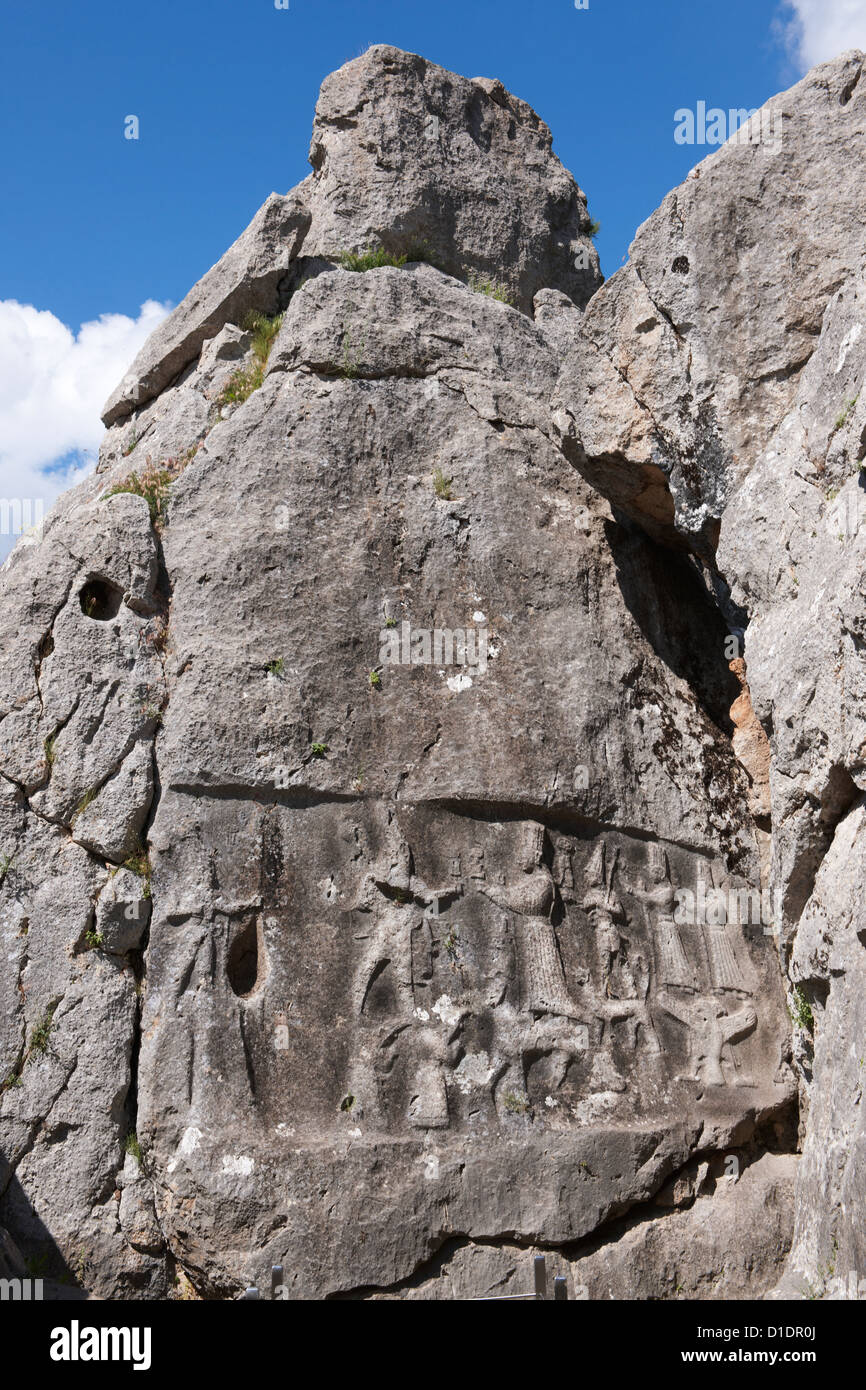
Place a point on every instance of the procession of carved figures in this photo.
(596, 1028)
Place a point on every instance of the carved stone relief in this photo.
(502, 968)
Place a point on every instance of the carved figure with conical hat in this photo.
(530, 896)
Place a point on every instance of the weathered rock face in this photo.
(709, 1234)
(410, 158)
(736, 332)
(794, 536)
(361, 807)
(690, 355)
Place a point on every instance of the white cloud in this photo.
(822, 29)
(53, 384)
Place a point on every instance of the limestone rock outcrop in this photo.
(380, 793)
(709, 1234)
(408, 157)
(737, 330)
(690, 355)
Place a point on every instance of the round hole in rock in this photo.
(245, 966)
(681, 265)
(100, 600)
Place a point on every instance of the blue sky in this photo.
(94, 226)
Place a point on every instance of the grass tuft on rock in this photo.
(42, 1032)
(493, 289)
(154, 485)
(243, 382)
(801, 1012)
(442, 485)
(133, 1147)
(377, 257)
(370, 260)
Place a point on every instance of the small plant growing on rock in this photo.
(390, 622)
(42, 1032)
(594, 228)
(373, 259)
(264, 331)
(154, 485)
(319, 750)
(351, 360)
(276, 667)
(801, 1012)
(493, 289)
(346, 1104)
(842, 417)
(6, 862)
(133, 441)
(243, 382)
(375, 680)
(88, 797)
(133, 1147)
(377, 257)
(138, 862)
(241, 385)
(94, 939)
(442, 487)
(421, 252)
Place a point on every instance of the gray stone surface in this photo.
(691, 353)
(716, 1233)
(408, 157)
(714, 393)
(122, 912)
(247, 278)
(404, 151)
(389, 945)
(793, 540)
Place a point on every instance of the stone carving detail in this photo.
(723, 965)
(347, 953)
(711, 1028)
(624, 973)
(531, 896)
(500, 986)
(563, 872)
(397, 956)
(725, 971)
(605, 912)
(673, 967)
